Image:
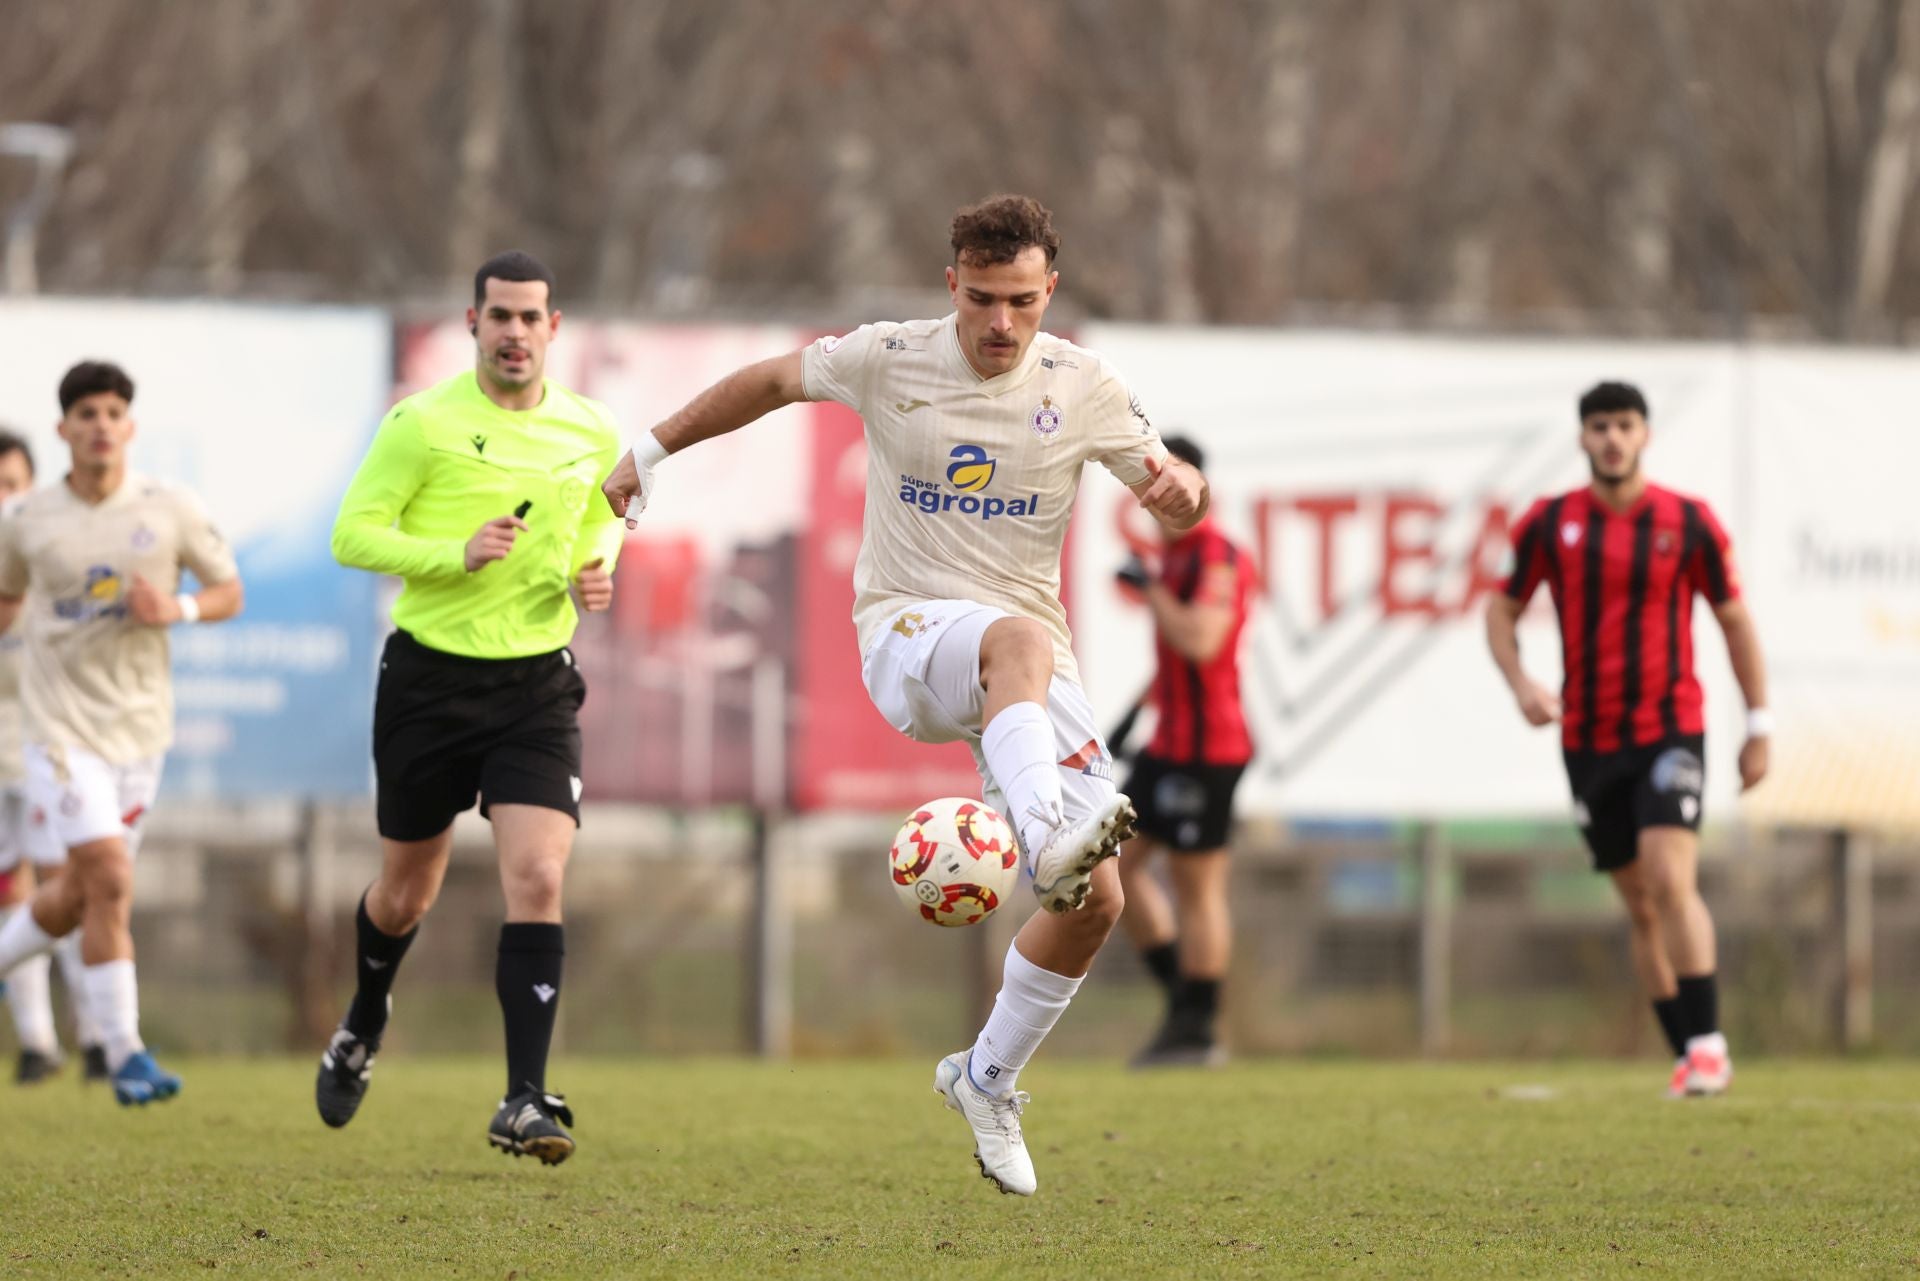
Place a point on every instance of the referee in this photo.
(477, 492)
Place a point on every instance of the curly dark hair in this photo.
(92, 377)
(1612, 398)
(999, 227)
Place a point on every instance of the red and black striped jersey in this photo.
(1623, 585)
(1201, 721)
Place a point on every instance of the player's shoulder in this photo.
(582, 410)
(896, 339)
(1546, 504)
(1680, 502)
(155, 491)
(36, 503)
(1064, 356)
(417, 407)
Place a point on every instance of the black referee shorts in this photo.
(1187, 808)
(448, 729)
(1617, 794)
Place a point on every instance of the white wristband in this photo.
(1759, 723)
(189, 607)
(648, 451)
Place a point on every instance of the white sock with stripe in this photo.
(1031, 1001)
(1018, 745)
(113, 994)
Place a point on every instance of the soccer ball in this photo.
(954, 861)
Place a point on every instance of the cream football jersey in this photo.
(12, 764)
(91, 676)
(971, 481)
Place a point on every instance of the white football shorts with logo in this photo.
(75, 797)
(923, 675)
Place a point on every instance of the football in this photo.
(954, 861)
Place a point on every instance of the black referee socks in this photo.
(528, 981)
(1700, 999)
(378, 960)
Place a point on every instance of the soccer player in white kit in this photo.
(29, 992)
(977, 429)
(102, 553)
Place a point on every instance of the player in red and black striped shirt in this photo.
(1623, 559)
(1183, 783)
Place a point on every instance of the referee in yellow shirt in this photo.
(479, 493)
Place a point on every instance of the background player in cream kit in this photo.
(29, 990)
(91, 568)
(978, 427)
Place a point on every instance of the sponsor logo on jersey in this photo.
(99, 598)
(971, 470)
(969, 473)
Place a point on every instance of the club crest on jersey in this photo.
(1046, 420)
(971, 470)
(1570, 532)
(143, 538)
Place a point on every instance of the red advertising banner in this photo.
(844, 755)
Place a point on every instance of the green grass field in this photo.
(728, 1168)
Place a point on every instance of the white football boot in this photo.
(1709, 1066)
(997, 1142)
(1063, 867)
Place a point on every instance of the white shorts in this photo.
(923, 676)
(74, 797)
(13, 826)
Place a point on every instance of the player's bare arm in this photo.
(1540, 705)
(1750, 669)
(1196, 630)
(746, 395)
(212, 604)
(1176, 493)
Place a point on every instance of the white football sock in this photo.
(30, 997)
(1031, 1001)
(20, 938)
(1018, 744)
(113, 994)
(73, 972)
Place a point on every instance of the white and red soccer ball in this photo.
(954, 861)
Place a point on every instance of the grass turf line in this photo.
(731, 1168)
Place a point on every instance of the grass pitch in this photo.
(726, 1168)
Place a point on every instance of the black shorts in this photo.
(1617, 794)
(1184, 807)
(448, 729)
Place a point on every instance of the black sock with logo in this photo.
(527, 979)
(378, 960)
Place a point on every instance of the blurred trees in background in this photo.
(1637, 166)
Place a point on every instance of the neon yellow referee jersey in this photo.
(446, 461)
